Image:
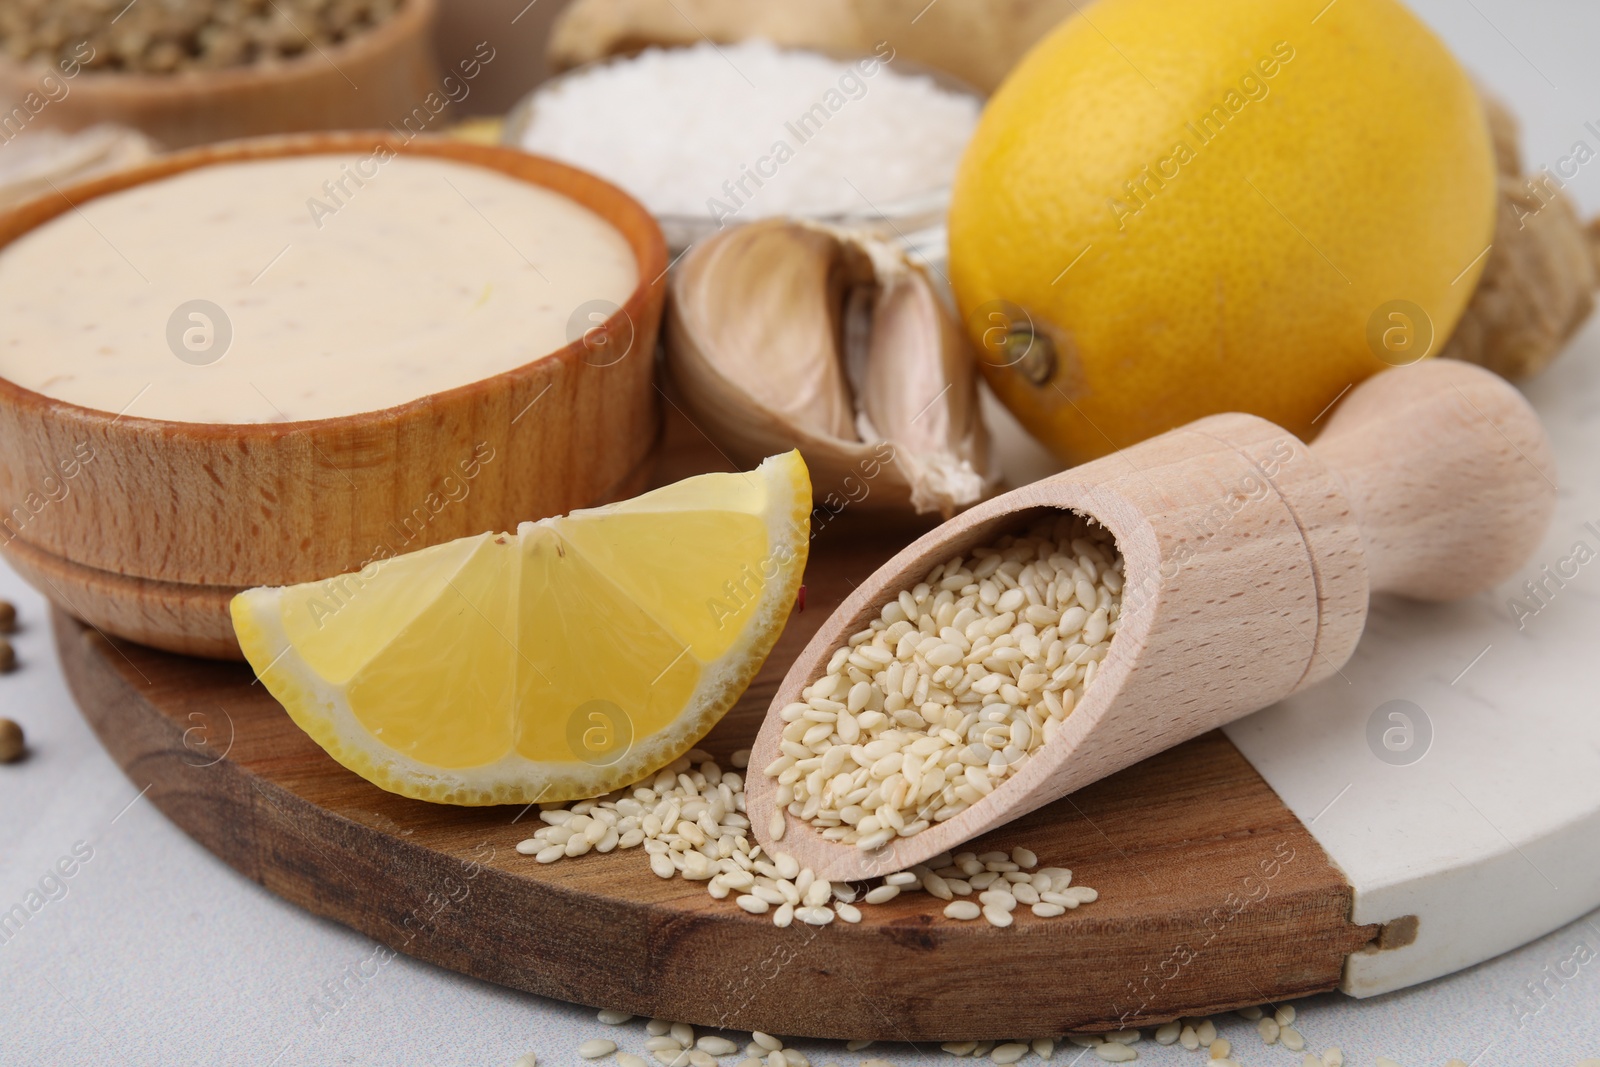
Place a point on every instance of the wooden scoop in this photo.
(1249, 560)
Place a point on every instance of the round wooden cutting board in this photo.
(1214, 893)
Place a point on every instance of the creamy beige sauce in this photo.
(428, 275)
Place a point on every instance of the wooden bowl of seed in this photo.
(199, 71)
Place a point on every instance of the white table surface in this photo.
(157, 953)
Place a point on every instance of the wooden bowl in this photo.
(371, 80)
(146, 528)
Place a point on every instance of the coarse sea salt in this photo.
(742, 131)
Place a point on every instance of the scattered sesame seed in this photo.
(1219, 1048)
(612, 1017)
(1269, 1029)
(716, 1046)
(1166, 1033)
(1291, 1039)
(1009, 1053)
(596, 1047)
(628, 1059)
(766, 1041)
(690, 820)
(1115, 1052)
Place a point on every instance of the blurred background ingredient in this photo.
(173, 35)
(709, 135)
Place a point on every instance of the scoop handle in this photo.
(1450, 473)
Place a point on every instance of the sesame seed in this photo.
(962, 909)
(613, 1018)
(959, 1048)
(628, 1059)
(918, 717)
(1284, 1015)
(595, 1048)
(1219, 1048)
(662, 1043)
(1291, 1039)
(716, 1046)
(1009, 1053)
(1043, 1047)
(766, 1041)
(657, 1027)
(527, 1059)
(1268, 1028)
(682, 1033)
(1113, 1052)
(997, 916)
(1166, 1033)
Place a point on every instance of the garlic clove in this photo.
(759, 278)
(920, 393)
(785, 334)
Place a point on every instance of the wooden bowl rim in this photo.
(411, 18)
(650, 255)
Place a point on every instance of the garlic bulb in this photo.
(785, 334)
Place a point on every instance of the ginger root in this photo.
(977, 41)
(1537, 287)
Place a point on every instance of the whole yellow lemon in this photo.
(1174, 208)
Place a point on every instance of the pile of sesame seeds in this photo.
(690, 818)
(952, 688)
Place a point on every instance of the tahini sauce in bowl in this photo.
(277, 360)
(334, 284)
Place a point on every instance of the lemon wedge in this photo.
(575, 656)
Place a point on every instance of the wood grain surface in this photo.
(118, 518)
(1212, 894)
